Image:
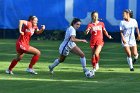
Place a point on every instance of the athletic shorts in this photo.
(129, 43)
(21, 48)
(64, 49)
(96, 42)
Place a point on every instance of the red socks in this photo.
(33, 61)
(13, 64)
(95, 60)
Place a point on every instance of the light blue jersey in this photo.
(67, 44)
(128, 28)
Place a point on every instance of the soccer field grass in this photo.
(112, 77)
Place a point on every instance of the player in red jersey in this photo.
(26, 29)
(96, 29)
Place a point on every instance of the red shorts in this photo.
(21, 48)
(96, 42)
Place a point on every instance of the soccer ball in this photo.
(90, 74)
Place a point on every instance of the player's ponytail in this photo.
(75, 20)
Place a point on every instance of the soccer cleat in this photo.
(9, 72)
(50, 69)
(30, 70)
(134, 61)
(131, 69)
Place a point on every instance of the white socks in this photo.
(97, 66)
(129, 60)
(83, 62)
(55, 63)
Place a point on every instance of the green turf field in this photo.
(112, 77)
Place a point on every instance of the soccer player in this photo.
(96, 29)
(26, 30)
(69, 45)
(127, 31)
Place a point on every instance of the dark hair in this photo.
(93, 13)
(31, 18)
(75, 20)
(130, 12)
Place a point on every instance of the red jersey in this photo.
(96, 31)
(23, 40)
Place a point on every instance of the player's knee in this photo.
(38, 53)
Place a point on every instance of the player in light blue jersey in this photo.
(128, 26)
(69, 45)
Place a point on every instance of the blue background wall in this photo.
(57, 14)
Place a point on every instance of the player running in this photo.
(96, 29)
(26, 30)
(69, 45)
(127, 30)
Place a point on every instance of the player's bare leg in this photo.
(135, 53)
(14, 62)
(96, 56)
(56, 62)
(34, 59)
(76, 50)
(129, 58)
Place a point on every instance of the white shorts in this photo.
(65, 48)
(129, 43)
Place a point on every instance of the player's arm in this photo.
(121, 32)
(41, 30)
(87, 30)
(74, 39)
(137, 29)
(138, 33)
(21, 22)
(122, 36)
(106, 33)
